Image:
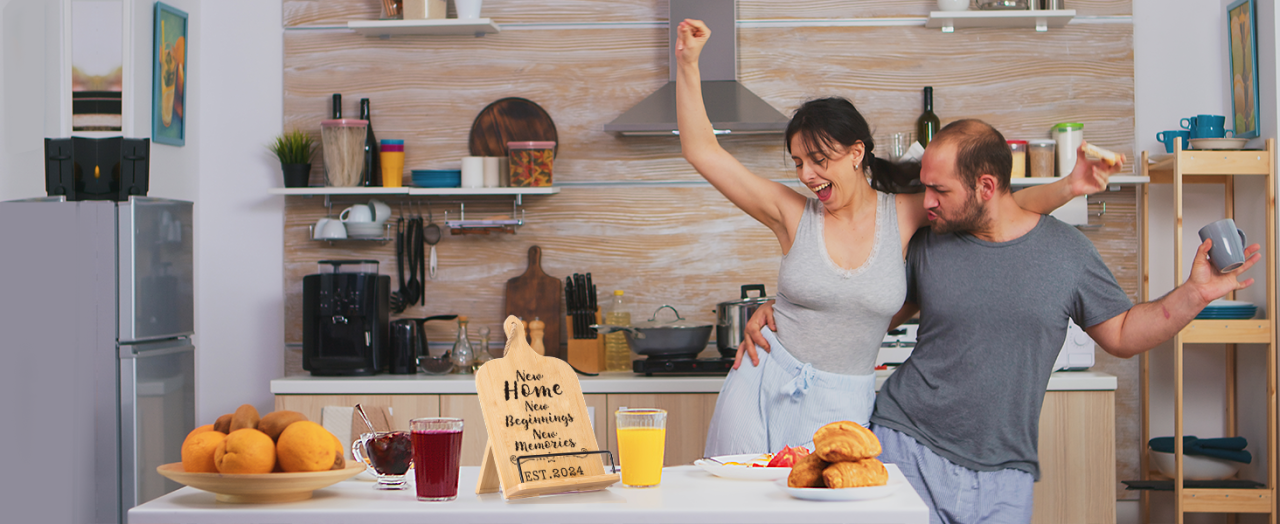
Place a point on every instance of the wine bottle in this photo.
(372, 163)
(337, 106)
(927, 124)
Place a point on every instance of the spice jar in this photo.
(1069, 136)
(1019, 149)
(530, 163)
(1040, 157)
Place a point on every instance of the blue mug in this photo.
(1167, 138)
(1205, 126)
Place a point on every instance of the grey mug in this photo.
(1227, 252)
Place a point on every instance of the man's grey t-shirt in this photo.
(993, 317)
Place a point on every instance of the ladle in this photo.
(431, 234)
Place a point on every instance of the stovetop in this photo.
(683, 366)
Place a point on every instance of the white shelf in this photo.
(1040, 20)
(445, 26)
(420, 191)
(1115, 180)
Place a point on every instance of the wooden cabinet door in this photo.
(1077, 458)
(403, 407)
(688, 418)
(474, 434)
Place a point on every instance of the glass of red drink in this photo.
(437, 453)
(389, 454)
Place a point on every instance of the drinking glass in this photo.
(437, 451)
(642, 434)
(899, 145)
(389, 454)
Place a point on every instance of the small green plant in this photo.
(293, 147)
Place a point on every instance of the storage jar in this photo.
(1069, 136)
(1040, 158)
(1019, 149)
(531, 163)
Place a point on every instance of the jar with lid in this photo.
(1040, 158)
(1019, 150)
(1003, 4)
(530, 163)
(1069, 136)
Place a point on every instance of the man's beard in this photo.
(972, 217)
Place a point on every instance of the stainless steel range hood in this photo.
(732, 108)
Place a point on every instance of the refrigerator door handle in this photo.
(132, 351)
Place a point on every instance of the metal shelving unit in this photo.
(1214, 167)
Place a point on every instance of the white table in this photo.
(687, 495)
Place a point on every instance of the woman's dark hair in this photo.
(831, 124)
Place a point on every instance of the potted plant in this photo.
(294, 149)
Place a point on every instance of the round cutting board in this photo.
(510, 120)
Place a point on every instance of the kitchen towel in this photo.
(1231, 448)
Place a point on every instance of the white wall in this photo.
(234, 92)
(1169, 35)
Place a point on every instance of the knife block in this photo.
(585, 354)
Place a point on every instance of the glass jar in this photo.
(1003, 4)
(481, 348)
(1040, 158)
(530, 163)
(462, 355)
(1069, 136)
(1019, 149)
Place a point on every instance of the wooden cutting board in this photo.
(510, 120)
(536, 294)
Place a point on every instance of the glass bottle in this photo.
(462, 356)
(928, 123)
(482, 351)
(617, 354)
(372, 162)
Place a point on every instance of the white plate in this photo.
(743, 472)
(1218, 143)
(824, 494)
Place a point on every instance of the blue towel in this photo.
(1231, 448)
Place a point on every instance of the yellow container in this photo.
(392, 156)
(642, 438)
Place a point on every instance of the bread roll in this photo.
(845, 441)
(860, 474)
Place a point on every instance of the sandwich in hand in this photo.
(1111, 158)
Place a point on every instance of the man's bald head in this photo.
(980, 150)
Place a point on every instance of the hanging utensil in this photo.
(432, 236)
(398, 302)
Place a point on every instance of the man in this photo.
(994, 285)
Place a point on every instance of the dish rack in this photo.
(462, 226)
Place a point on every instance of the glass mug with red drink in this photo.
(437, 453)
(389, 454)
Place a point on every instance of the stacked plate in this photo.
(366, 229)
(437, 177)
(1228, 310)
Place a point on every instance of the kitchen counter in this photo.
(687, 494)
(618, 382)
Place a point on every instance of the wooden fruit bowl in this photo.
(260, 488)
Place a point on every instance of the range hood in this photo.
(732, 108)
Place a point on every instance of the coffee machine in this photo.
(345, 313)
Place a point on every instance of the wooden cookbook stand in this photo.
(540, 437)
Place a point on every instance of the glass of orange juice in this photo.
(642, 435)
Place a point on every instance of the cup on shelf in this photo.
(330, 229)
(1167, 138)
(467, 9)
(392, 154)
(472, 171)
(1227, 252)
(1205, 126)
(493, 171)
(357, 213)
(381, 211)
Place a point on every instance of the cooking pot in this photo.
(409, 346)
(732, 317)
(677, 338)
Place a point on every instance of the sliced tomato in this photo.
(788, 457)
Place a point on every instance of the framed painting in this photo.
(1242, 44)
(168, 84)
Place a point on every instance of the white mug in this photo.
(492, 171)
(381, 211)
(357, 213)
(332, 229)
(317, 232)
(467, 9)
(472, 171)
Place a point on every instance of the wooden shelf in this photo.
(446, 26)
(1254, 331)
(1205, 500)
(416, 191)
(1040, 20)
(1115, 180)
(1206, 166)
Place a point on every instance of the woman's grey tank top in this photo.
(835, 318)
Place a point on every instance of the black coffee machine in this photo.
(345, 311)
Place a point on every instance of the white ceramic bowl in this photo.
(1195, 467)
(953, 5)
(365, 229)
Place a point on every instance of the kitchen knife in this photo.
(568, 305)
(581, 287)
(591, 305)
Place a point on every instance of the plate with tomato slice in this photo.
(753, 466)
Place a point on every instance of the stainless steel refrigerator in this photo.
(98, 376)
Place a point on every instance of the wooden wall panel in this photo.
(644, 221)
(311, 13)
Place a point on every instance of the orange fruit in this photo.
(201, 429)
(245, 451)
(198, 450)
(306, 446)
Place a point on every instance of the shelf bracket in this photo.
(1042, 24)
(949, 26)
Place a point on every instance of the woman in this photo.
(841, 279)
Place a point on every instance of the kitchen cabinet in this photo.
(688, 418)
(1215, 167)
(403, 407)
